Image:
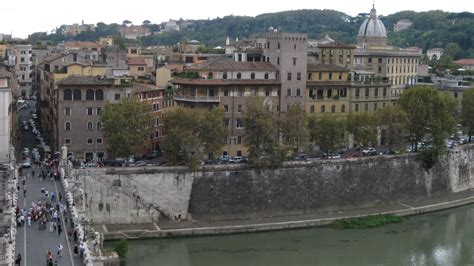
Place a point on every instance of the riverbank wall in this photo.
(233, 198)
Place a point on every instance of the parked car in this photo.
(26, 128)
(224, 159)
(300, 157)
(141, 163)
(240, 159)
(334, 156)
(26, 163)
(369, 152)
(389, 152)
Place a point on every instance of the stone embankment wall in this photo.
(236, 192)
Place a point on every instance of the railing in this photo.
(197, 98)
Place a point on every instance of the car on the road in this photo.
(141, 163)
(26, 163)
(240, 159)
(26, 152)
(25, 128)
(369, 152)
(334, 156)
(224, 159)
(34, 116)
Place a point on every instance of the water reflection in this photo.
(443, 238)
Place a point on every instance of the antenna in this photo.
(373, 4)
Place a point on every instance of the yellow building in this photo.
(328, 89)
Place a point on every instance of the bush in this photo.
(121, 248)
(366, 222)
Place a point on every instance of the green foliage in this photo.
(393, 120)
(192, 132)
(430, 113)
(328, 132)
(261, 134)
(187, 75)
(127, 125)
(121, 248)
(366, 222)
(467, 111)
(364, 128)
(293, 127)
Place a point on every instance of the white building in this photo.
(435, 53)
(5, 115)
(402, 24)
(24, 68)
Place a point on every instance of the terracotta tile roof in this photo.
(53, 57)
(82, 45)
(85, 80)
(224, 82)
(232, 66)
(326, 67)
(136, 61)
(176, 67)
(140, 87)
(464, 62)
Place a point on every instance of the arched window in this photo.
(312, 109)
(333, 109)
(89, 95)
(239, 75)
(68, 95)
(90, 126)
(323, 109)
(67, 126)
(224, 76)
(99, 95)
(252, 75)
(99, 125)
(343, 108)
(77, 96)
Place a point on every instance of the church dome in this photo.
(372, 26)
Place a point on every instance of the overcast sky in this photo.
(27, 16)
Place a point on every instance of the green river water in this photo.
(442, 238)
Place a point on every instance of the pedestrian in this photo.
(42, 191)
(60, 250)
(51, 226)
(46, 194)
(29, 220)
(53, 196)
(24, 182)
(18, 187)
(59, 229)
(55, 263)
(18, 259)
(33, 173)
(76, 250)
(60, 196)
(24, 192)
(75, 235)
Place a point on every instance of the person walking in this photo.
(28, 218)
(59, 229)
(60, 196)
(76, 250)
(24, 192)
(18, 259)
(60, 250)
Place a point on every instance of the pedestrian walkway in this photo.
(34, 243)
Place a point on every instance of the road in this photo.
(31, 242)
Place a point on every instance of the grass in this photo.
(366, 222)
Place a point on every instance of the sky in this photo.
(24, 17)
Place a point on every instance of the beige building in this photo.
(228, 85)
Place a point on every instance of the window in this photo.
(369, 60)
(90, 141)
(99, 95)
(343, 108)
(239, 75)
(117, 96)
(90, 111)
(157, 134)
(310, 76)
(333, 109)
(298, 92)
(67, 111)
(289, 76)
(294, 61)
(67, 126)
(266, 75)
(340, 76)
(239, 108)
(366, 107)
(380, 60)
(278, 45)
(330, 76)
(298, 76)
(376, 92)
(89, 95)
(226, 93)
(239, 140)
(98, 141)
(90, 126)
(67, 95)
(77, 96)
(141, 69)
(312, 109)
(375, 107)
(252, 75)
(226, 108)
(67, 141)
(240, 92)
(367, 92)
(356, 107)
(267, 92)
(294, 46)
(288, 92)
(278, 60)
(384, 92)
(240, 123)
(99, 125)
(224, 76)
(320, 75)
(98, 110)
(323, 109)
(329, 93)
(268, 45)
(210, 75)
(227, 122)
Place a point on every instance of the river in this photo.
(442, 238)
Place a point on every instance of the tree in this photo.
(467, 112)
(392, 120)
(126, 22)
(452, 49)
(293, 127)
(146, 22)
(212, 131)
(261, 134)
(363, 126)
(430, 114)
(127, 125)
(327, 132)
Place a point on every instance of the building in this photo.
(228, 85)
(5, 37)
(369, 92)
(79, 103)
(467, 64)
(24, 68)
(288, 53)
(154, 96)
(171, 25)
(165, 73)
(435, 53)
(75, 29)
(137, 67)
(189, 47)
(398, 65)
(402, 24)
(106, 41)
(134, 32)
(328, 51)
(6, 99)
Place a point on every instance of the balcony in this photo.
(197, 99)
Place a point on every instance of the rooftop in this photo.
(232, 66)
(136, 61)
(224, 82)
(464, 62)
(86, 80)
(141, 87)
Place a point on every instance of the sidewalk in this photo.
(33, 243)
